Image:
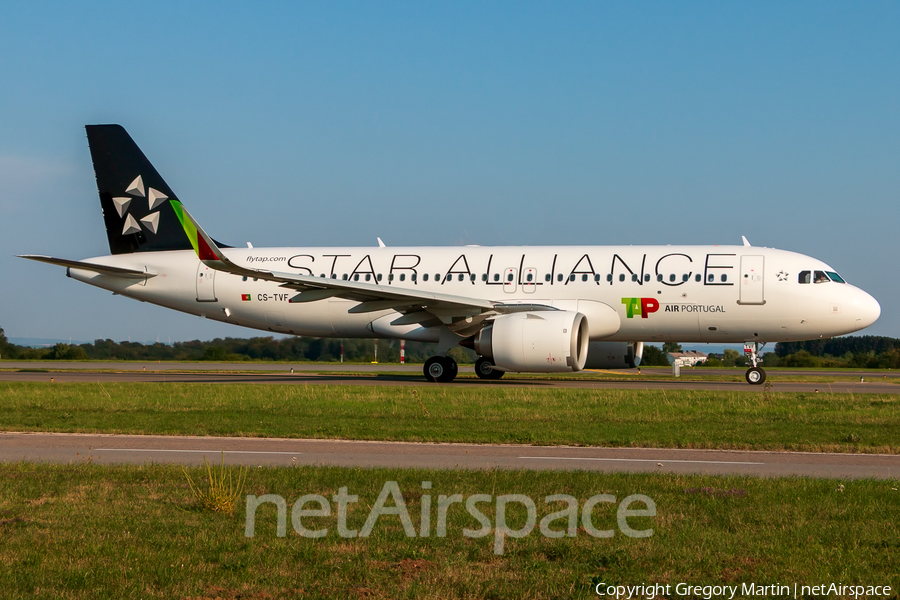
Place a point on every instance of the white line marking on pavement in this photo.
(661, 460)
(197, 451)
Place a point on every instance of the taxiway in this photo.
(187, 450)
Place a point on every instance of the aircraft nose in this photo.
(866, 309)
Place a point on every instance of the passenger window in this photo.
(530, 277)
(634, 277)
(685, 277)
(697, 277)
(509, 277)
(322, 276)
(597, 277)
(724, 278)
(414, 276)
(647, 277)
(572, 277)
(559, 277)
(609, 276)
(659, 278)
(391, 277)
(379, 277)
(584, 277)
(672, 277)
(368, 277)
(462, 277)
(484, 276)
(472, 277)
(621, 276)
(425, 277)
(496, 276)
(344, 277)
(547, 277)
(835, 277)
(244, 278)
(402, 276)
(820, 277)
(711, 278)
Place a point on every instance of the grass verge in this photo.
(609, 417)
(90, 531)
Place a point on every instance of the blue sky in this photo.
(450, 123)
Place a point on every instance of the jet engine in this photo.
(538, 341)
(614, 355)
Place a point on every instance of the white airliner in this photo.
(522, 309)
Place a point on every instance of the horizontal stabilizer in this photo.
(80, 264)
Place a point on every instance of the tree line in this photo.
(860, 352)
(865, 351)
(234, 349)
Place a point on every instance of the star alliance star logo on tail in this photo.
(640, 306)
(154, 199)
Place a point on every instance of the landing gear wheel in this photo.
(441, 369)
(755, 376)
(452, 369)
(484, 368)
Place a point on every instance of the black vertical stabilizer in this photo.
(133, 196)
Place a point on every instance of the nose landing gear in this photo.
(755, 375)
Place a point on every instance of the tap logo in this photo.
(640, 306)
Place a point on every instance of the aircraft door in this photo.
(509, 280)
(206, 284)
(529, 280)
(752, 280)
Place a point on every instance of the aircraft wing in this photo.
(417, 306)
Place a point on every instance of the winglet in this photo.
(204, 246)
(744, 238)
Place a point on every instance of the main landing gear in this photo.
(755, 375)
(484, 368)
(441, 369)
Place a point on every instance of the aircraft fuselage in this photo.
(716, 294)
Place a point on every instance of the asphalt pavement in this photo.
(870, 386)
(187, 450)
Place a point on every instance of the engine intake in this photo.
(537, 342)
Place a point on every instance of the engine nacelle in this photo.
(537, 342)
(614, 355)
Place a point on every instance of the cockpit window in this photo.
(835, 277)
(821, 277)
(804, 277)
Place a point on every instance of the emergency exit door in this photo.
(206, 284)
(751, 280)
